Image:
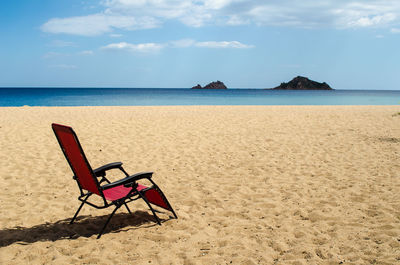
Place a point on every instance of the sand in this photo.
(250, 185)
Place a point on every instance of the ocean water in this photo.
(165, 97)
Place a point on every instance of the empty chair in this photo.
(94, 182)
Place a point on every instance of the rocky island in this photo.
(212, 85)
(303, 83)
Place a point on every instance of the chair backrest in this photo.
(76, 158)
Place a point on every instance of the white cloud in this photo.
(369, 21)
(96, 24)
(142, 47)
(235, 20)
(185, 43)
(306, 13)
(197, 20)
(395, 30)
(367, 14)
(145, 14)
(223, 44)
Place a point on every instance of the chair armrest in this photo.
(101, 170)
(128, 180)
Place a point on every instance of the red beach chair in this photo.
(116, 193)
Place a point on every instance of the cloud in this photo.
(146, 14)
(306, 13)
(97, 24)
(236, 20)
(142, 47)
(184, 43)
(115, 35)
(358, 21)
(329, 13)
(223, 44)
(395, 30)
(88, 52)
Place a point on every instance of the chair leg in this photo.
(108, 220)
(76, 214)
(173, 212)
(80, 207)
(151, 208)
(127, 208)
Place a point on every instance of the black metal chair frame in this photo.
(128, 181)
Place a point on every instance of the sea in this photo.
(13, 97)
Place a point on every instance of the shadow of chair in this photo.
(85, 226)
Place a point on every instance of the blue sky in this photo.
(177, 44)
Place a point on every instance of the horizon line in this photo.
(189, 88)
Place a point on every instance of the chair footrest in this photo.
(157, 198)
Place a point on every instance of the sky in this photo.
(179, 44)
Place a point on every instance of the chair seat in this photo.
(152, 195)
(119, 192)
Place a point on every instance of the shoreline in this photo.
(195, 106)
(292, 184)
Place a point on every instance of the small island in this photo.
(303, 83)
(212, 85)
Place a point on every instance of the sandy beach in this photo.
(250, 185)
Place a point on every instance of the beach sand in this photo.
(250, 185)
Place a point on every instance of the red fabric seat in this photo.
(119, 192)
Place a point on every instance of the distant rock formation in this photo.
(197, 87)
(212, 85)
(303, 83)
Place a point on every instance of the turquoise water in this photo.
(161, 97)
